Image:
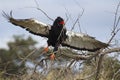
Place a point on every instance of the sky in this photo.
(97, 19)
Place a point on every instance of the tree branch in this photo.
(79, 16)
(38, 8)
(115, 24)
(117, 72)
(28, 55)
(111, 50)
(84, 57)
(71, 63)
(114, 33)
(99, 66)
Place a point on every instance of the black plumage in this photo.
(57, 33)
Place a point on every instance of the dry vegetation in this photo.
(23, 61)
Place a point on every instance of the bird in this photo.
(57, 34)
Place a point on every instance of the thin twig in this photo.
(89, 76)
(116, 73)
(38, 8)
(71, 63)
(114, 33)
(28, 55)
(39, 63)
(75, 23)
(79, 16)
(67, 14)
(79, 21)
(115, 24)
(115, 20)
(79, 27)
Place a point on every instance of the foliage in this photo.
(14, 63)
(10, 59)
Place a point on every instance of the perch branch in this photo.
(83, 57)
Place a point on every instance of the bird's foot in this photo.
(45, 49)
(52, 56)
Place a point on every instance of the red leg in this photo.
(52, 56)
(46, 49)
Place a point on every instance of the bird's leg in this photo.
(46, 49)
(52, 56)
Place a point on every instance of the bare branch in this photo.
(116, 13)
(28, 55)
(71, 63)
(79, 16)
(101, 59)
(116, 73)
(118, 20)
(38, 8)
(111, 50)
(75, 23)
(84, 57)
(67, 18)
(114, 33)
(77, 20)
(67, 14)
(115, 24)
(89, 76)
(79, 27)
(99, 67)
(40, 63)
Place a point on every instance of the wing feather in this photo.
(31, 25)
(74, 40)
(83, 42)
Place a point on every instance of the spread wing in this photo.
(82, 42)
(31, 25)
(74, 40)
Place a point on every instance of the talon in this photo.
(45, 49)
(52, 56)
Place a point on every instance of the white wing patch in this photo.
(70, 33)
(36, 21)
(73, 34)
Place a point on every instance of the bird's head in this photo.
(59, 22)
